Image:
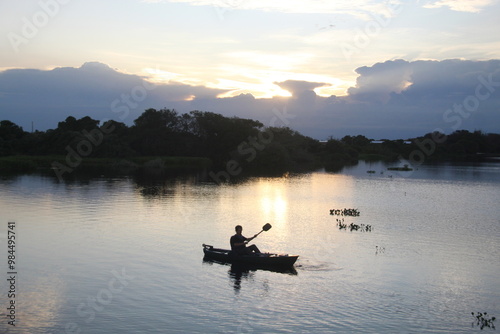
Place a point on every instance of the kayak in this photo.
(262, 259)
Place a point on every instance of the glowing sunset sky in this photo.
(206, 53)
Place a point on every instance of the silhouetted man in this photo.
(239, 243)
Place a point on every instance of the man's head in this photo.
(238, 228)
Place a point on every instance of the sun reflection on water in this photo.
(40, 303)
(273, 203)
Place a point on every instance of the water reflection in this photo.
(486, 171)
(41, 303)
(154, 182)
(273, 201)
(236, 273)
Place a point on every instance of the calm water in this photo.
(124, 255)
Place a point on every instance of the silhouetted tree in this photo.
(157, 132)
(164, 132)
(219, 135)
(10, 137)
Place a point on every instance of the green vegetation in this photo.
(342, 225)
(159, 139)
(205, 140)
(482, 320)
(345, 212)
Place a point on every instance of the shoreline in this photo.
(25, 163)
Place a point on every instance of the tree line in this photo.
(224, 140)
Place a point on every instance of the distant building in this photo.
(384, 140)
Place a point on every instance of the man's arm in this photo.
(250, 239)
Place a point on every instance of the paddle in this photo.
(266, 228)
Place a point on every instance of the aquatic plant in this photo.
(379, 250)
(345, 212)
(362, 227)
(482, 320)
(340, 224)
(352, 226)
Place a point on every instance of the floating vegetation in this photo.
(345, 212)
(482, 320)
(370, 171)
(353, 227)
(405, 168)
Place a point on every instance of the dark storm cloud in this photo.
(393, 99)
(418, 97)
(94, 89)
(422, 79)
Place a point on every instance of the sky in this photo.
(384, 69)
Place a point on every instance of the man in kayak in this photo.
(239, 243)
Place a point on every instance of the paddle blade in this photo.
(266, 227)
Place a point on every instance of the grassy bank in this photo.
(23, 163)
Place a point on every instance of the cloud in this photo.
(472, 6)
(298, 88)
(449, 95)
(94, 89)
(391, 99)
(378, 82)
(447, 79)
(359, 8)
